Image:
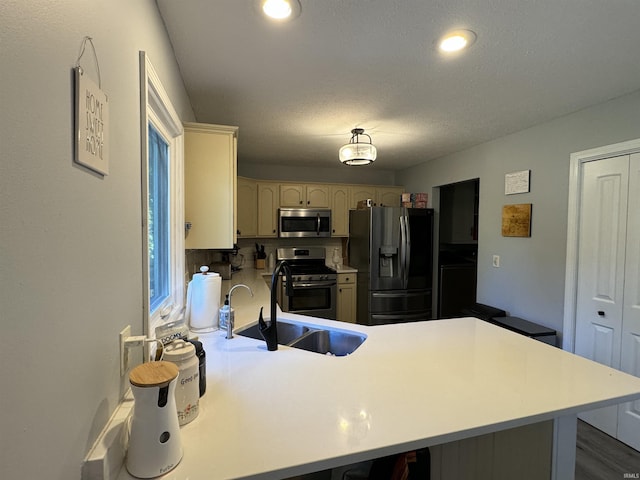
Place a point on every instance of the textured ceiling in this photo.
(297, 89)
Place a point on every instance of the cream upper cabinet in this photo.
(361, 192)
(339, 210)
(268, 194)
(292, 195)
(389, 196)
(318, 196)
(247, 208)
(346, 301)
(210, 185)
(258, 203)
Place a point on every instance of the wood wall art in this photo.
(516, 220)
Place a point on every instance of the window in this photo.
(162, 202)
(158, 219)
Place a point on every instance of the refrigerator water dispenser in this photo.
(388, 260)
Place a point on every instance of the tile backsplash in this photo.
(194, 259)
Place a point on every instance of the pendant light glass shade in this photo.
(356, 153)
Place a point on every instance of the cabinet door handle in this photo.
(601, 313)
(340, 290)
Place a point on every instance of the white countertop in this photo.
(278, 414)
(345, 269)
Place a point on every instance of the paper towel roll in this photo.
(203, 302)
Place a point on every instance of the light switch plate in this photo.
(496, 261)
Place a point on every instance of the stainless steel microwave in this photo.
(304, 222)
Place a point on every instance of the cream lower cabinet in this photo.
(346, 301)
(524, 453)
(210, 160)
(247, 225)
(268, 195)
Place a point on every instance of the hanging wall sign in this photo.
(92, 124)
(517, 182)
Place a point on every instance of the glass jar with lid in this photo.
(187, 394)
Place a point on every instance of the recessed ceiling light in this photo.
(456, 41)
(280, 10)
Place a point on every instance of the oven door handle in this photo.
(329, 283)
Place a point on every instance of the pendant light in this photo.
(356, 153)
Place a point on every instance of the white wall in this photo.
(530, 281)
(335, 174)
(70, 262)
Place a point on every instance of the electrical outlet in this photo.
(124, 351)
(496, 261)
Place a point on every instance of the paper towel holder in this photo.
(203, 297)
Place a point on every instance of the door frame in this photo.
(576, 160)
(436, 204)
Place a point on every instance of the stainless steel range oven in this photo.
(314, 284)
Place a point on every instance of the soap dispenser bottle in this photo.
(224, 315)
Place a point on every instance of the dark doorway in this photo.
(457, 247)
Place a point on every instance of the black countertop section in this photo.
(457, 254)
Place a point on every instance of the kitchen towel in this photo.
(203, 302)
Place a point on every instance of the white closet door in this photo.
(629, 413)
(601, 265)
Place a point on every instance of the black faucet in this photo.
(270, 332)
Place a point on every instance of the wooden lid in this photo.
(153, 374)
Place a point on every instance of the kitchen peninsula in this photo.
(272, 415)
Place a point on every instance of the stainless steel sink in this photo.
(325, 341)
(287, 332)
(329, 342)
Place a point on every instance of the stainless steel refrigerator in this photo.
(392, 248)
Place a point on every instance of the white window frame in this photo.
(156, 108)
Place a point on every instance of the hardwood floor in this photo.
(601, 457)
